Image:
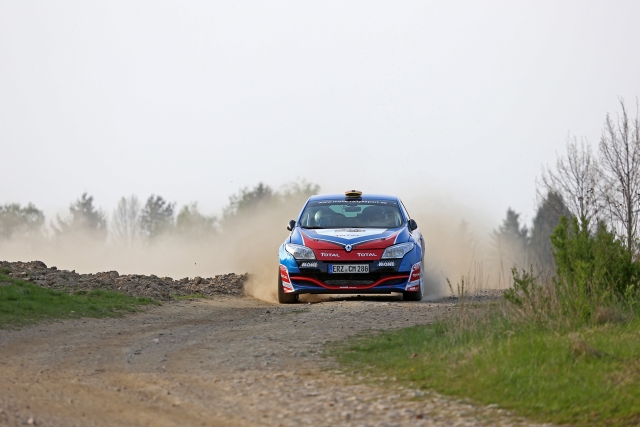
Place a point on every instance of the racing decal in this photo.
(378, 282)
(359, 200)
(414, 278)
(342, 255)
(378, 243)
(315, 241)
(350, 233)
(309, 265)
(287, 287)
(387, 264)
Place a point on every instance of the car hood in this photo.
(346, 244)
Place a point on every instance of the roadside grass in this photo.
(23, 303)
(586, 377)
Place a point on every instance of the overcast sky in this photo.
(193, 100)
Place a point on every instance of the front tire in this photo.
(285, 298)
(416, 296)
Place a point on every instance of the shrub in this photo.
(593, 269)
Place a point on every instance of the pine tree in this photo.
(511, 240)
(84, 219)
(20, 221)
(546, 220)
(156, 216)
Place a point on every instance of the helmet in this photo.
(322, 218)
(375, 215)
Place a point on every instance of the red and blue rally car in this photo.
(352, 243)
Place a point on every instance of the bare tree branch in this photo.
(126, 220)
(620, 152)
(575, 179)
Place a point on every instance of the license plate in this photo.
(349, 268)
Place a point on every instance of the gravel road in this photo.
(227, 361)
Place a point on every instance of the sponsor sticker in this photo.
(287, 287)
(386, 264)
(350, 233)
(309, 264)
(414, 278)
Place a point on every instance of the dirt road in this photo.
(227, 361)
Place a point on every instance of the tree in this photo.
(299, 190)
(156, 217)
(575, 180)
(510, 240)
(620, 153)
(592, 267)
(191, 223)
(546, 220)
(246, 200)
(84, 219)
(126, 220)
(20, 221)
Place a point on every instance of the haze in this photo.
(455, 101)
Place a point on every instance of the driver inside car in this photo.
(323, 219)
(376, 216)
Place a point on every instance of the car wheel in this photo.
(285, 298)
(416, 296)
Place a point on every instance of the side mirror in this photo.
(292, 224)
(412, 224)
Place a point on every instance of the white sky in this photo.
(193, 100)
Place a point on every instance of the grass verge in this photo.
(22, 303)
(585, 377)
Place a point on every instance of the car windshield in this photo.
(350, 214)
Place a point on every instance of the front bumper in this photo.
(385, 276)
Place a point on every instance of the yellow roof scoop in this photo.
(353, 193)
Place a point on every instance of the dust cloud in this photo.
(458, 245)
(248, 243)
(457, 248)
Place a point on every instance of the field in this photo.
(589, 377)
(22, 302)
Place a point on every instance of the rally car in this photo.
(352, 243)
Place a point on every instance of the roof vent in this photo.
(355, 194)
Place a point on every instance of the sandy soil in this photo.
(227, 361)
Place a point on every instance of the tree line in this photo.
(133, 221)
(585, 230)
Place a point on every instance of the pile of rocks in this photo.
(164, 288)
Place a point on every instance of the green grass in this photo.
(586, 377)
(22, 303)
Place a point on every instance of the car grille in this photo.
(348, 282)
(355, 279)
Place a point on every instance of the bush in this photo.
(593, 269)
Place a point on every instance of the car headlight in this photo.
(299, 251)
(397, 251)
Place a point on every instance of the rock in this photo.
(164, 288)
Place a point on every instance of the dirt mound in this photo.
(164, 288)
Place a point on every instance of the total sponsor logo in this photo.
(326, 254)
(309, 264)
(366, 254)
(414, 278)
(386, 264)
